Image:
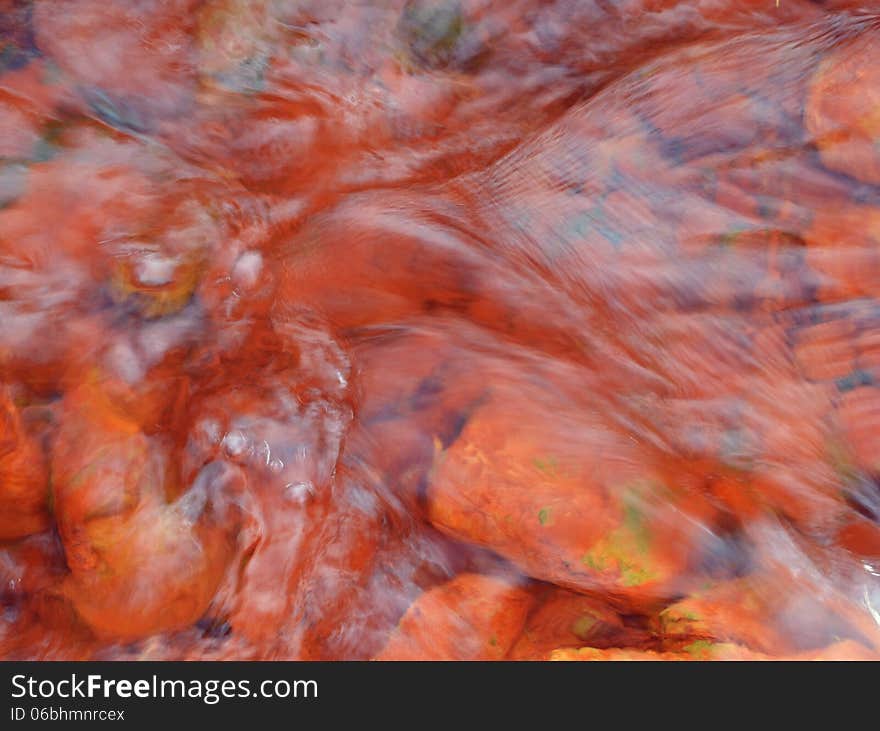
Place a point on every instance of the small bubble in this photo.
(209, 430)
(299, 491)
(276, 465)
(236, 443)
(155, 270)
(246, 270)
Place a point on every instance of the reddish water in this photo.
(439, 329)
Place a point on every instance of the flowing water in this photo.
(453, 329)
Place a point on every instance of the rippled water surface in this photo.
(453, 329)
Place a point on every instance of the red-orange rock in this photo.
(141, 560)
(566, 619)
(843, 249)
(843, 108)
(149, 72)
(700, 650)
(566, 499)
(24, 478)
(471, 617)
